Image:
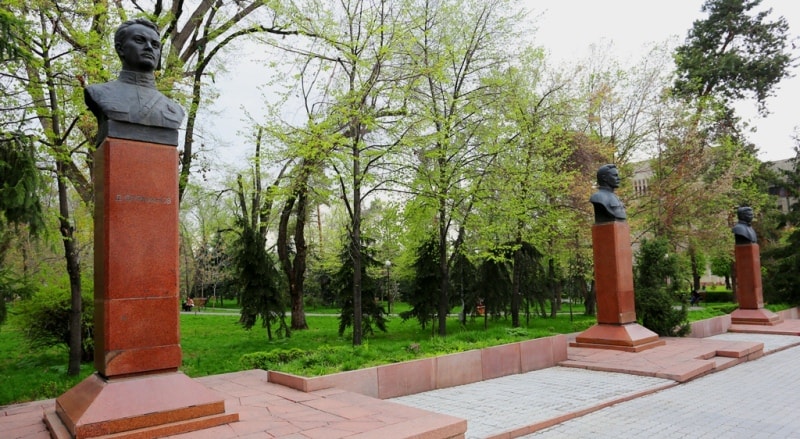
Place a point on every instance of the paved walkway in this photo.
(738, 402)
(758, 399)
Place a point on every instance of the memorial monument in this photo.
(137, 390)
(616, 326)
(749, 294)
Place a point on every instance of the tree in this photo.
(704, 165)
(781, 263)
(355, 44)
(732, 53)
(257, 274)
(494, 283)
(372, 313)
(456, 48)
(19, 205)
(422, 297)
(45, 102)
(658, 282)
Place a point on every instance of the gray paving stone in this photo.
(756, 399)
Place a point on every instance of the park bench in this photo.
(200, 302)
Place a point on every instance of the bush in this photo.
(719, 296)
(656, 303)
(12, 288)
(45, 317)
(264, 360)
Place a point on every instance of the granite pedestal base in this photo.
(630, 337)
(749, 293)
(147, 406)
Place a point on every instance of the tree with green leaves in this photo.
(261, 289)
(372, 312)
(457, 48)
(781, 263)
(423, 296)
(732, 53)
(704, 165)
(355, 48)
(19, 205)
(658, 283)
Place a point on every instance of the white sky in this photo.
(566, 29)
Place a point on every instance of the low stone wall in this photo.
(789, 314)
(708, 327)
(410, 377)
(721, 324)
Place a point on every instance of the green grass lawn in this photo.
(216, 343)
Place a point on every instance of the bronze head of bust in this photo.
(743, 232)
(131, 107)
(607, 206)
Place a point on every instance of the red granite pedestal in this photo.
(137, 391)
(616, 326)
(748, 289)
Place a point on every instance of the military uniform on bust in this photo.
(131, 107)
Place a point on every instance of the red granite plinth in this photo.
(748, 289)
(136, 258)
(631, 337)
(613, 272)
(616, 310)
(150, 405)
(137, 391)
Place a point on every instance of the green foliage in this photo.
(781, 264)
(733, 51)
(372, 313)
(463, 281)
(12, 32)
(424, 294)
(264, 360)
(12, 287)
(494, 283)
(719, 296)
(31, 373)
(19, 182)
(45, 318)
(657, 287)
(259, 282)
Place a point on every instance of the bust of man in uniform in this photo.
(131, 107)
(742, 231)
(607, 206)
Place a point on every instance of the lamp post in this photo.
(388, 265)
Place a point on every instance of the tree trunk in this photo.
(695, 269)
(444, 300)
(301, 249)
(553, 288)
(293, 269)
(355, 249)
(74, 273)
(515, 287)
(589, 298)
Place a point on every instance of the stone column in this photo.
(137, 390)
(616, 326)
(748, 289)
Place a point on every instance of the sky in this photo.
(566, 29)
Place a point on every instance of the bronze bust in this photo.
(607, 206)
(742, 231)
(131, 107)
